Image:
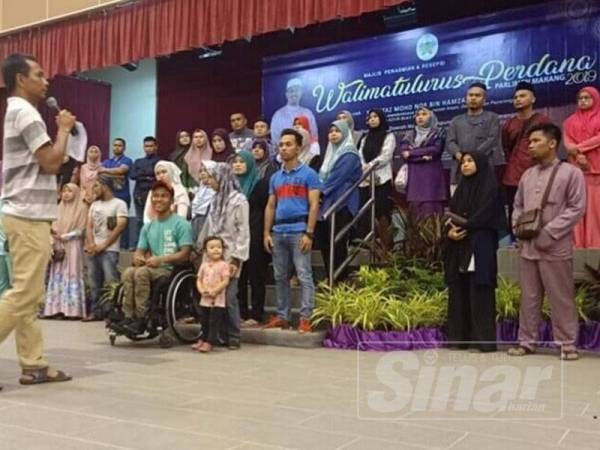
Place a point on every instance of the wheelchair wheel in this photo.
(182, 307)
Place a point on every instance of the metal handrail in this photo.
(349, 192)
(334, 237)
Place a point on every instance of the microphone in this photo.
(53, 104)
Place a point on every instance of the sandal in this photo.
(569, 355)
(197, 345)
(520, 351)
(39, 376)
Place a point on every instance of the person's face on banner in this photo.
(293, 95)
(475, 98)
(373, 121)
(335, 135)
(523, 99)
(540, 145)
(422, 118)
(288, 147)
(584, 100)
(218, 144)
(261, 129)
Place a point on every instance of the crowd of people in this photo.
(242, 200)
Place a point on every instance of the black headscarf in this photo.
(228, 152)
(180, 150)
(375, 136)
(478, 197)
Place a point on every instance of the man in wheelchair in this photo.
(164, 242)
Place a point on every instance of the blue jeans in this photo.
(233, 312)
(286, 251)
(102, 269)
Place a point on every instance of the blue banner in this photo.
(556, 46)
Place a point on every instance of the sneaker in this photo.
(251, 323)
(234, 345)
(304, 326)
(277, 322)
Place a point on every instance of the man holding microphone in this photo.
(30, 164)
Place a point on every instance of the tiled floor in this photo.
(137, 396)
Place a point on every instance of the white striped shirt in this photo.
(27, 192)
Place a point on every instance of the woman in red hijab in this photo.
(581, 133)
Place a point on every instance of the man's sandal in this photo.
(569, 355)
(39, 376)
(520, 351)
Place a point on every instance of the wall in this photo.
(133, 104)
(13, 13)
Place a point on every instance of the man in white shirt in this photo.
(30, 164)
(284, 116)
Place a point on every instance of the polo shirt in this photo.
(291, 189)
(121, 182)
(27, 192)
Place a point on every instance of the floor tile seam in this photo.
(244, 443)
(565, 434)
(511, 438)
(259, 404)
(167, 428)
(347, 444)
(63, 436)
(460, 439)
(585, 410)
(113, 419)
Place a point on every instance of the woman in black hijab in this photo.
(376, 147)
(476, 223)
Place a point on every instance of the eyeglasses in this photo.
(584, 97)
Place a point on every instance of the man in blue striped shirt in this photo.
(291, 214)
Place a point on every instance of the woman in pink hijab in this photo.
(581, 135)
(199, 151)
(89, 172)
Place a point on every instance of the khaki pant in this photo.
(555, 279)
(136, 289)
(29, 243)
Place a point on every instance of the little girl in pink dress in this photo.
(213, 278)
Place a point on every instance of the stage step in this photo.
(283, 338)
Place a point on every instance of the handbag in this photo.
(401, 180)
(456, 219)
(529, 223)
(58, 253)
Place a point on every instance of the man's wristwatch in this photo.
(310, 235)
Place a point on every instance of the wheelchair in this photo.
(173, 311)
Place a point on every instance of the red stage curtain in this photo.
(195, 93)
(160, 27)
(88, 99)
